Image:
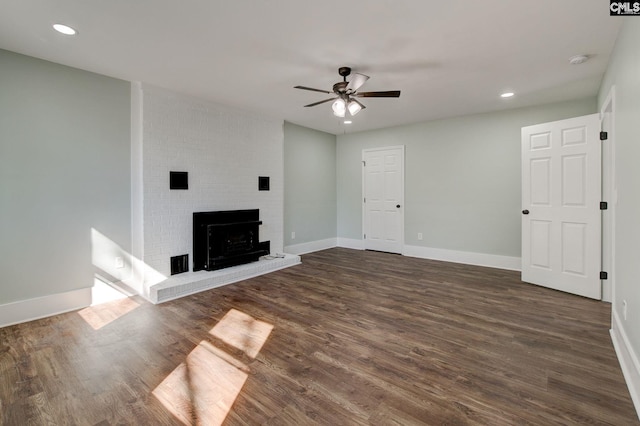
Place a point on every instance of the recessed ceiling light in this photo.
(507, 94)
(348, 122)
(64, 29)
(578, 59)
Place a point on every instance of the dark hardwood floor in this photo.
(348, 337)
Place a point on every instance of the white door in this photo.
(383, 189)
(561, 190)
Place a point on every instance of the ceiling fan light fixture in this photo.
(339, 108)
(345, 94)
(354, 107)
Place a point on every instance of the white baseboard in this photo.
(350, 243)
(469, 258)
(311, 246)
(42, 307)
(627, 358)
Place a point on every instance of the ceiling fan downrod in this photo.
(344, 72)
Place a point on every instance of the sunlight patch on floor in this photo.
(242, 332)
(203, 388)
(107, 305)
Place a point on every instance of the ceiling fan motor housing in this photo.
(344, 71)
(340, 87)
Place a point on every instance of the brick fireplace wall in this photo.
(223, 150)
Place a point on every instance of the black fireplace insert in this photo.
(226, 238)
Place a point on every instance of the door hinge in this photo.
(364, 163)
(365, 200)
(604, 205)
(604, 136)
(603, 275)
(365, 236)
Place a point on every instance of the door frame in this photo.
(402, 195)
(609, 194)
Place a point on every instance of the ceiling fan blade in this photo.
(311, 88)
(387, 94)
(321, 102)
(359, 103)
(356, 81)
(354, 106)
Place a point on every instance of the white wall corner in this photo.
(469, 258)
(351, 243)
(42, 307)
(137, 190)
(607, 290)
(311, 246)
(627, 358)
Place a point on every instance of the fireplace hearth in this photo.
(226, 238)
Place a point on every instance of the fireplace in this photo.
(226, 238)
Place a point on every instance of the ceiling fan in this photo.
(346, 92)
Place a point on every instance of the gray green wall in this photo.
(462, 178)
(624, 73)
(310, 185)
(64, 169)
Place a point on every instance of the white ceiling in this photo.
(449, 58)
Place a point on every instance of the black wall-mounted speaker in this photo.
(178, 180)
(263, 183)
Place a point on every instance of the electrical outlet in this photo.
(293, 235)
(624, 309)
(119, 263)
(419, 236)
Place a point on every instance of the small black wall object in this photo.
(179, 264)
(265, 246)
(263, 183)
(178, 180)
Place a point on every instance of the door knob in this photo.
(525, 211)
(397, 206)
